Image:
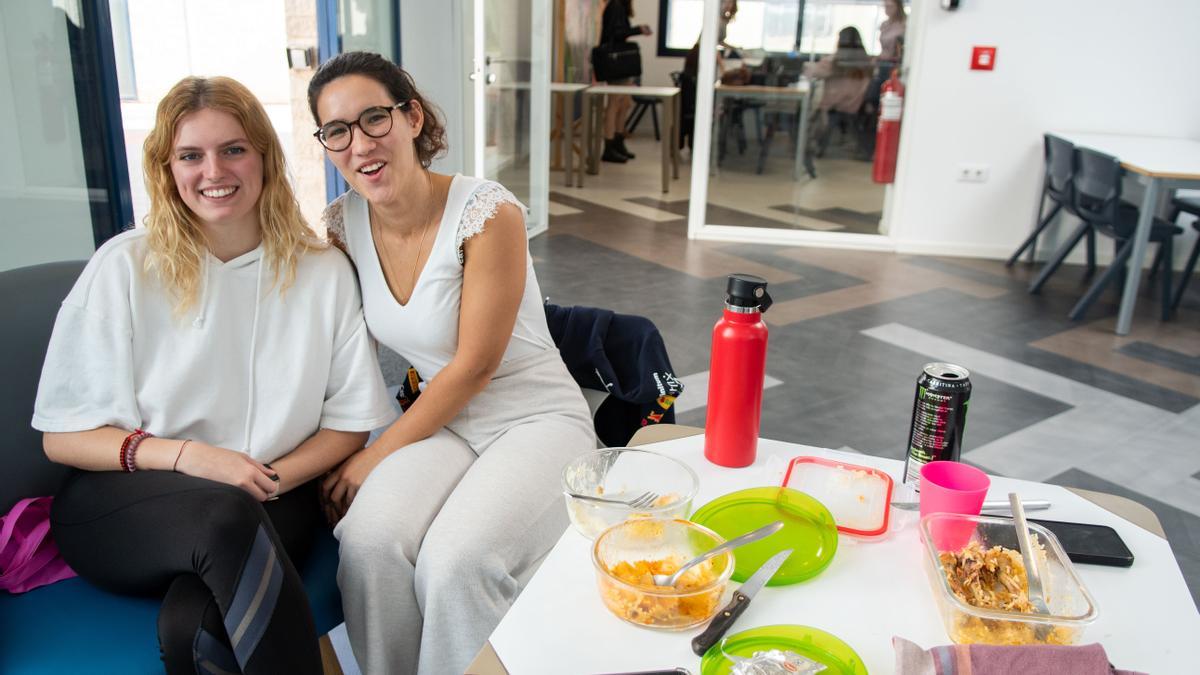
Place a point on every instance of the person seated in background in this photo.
(845, 75)
(202, 372)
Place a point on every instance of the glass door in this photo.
(788, 127)
(509, 99)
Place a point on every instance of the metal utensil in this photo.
(1030, 505)
(671, 579)
(1030, 556)
(741, 600)
(642, 501)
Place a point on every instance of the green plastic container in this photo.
(837, 656)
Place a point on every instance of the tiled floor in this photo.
(1058, 401)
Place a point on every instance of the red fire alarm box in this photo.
(983, 58)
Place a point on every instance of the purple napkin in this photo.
(997, 660)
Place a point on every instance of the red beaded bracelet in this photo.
(129, 449)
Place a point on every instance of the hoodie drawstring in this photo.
(250, 369)
(198, 322)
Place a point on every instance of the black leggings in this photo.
(221, 561)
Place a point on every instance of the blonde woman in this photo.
(202, 372)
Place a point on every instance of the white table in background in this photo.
(1161, 164)
(797, 94)
(598, 94)
(870, 592)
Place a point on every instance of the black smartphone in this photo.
(1090, 544)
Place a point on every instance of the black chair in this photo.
(1186, 205)
(642, 105)
(1059, 157)
(1096, 198)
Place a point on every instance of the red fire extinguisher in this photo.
(887, 135)
(736, 372)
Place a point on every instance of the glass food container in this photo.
(1071, 605)
(626, 554)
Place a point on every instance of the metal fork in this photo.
(642, 501)
(1033, 575)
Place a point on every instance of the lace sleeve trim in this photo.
(335, 225)
(481, 207)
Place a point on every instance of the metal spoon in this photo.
(1032, 573)
(671, 579)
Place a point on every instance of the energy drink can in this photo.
(938, 418)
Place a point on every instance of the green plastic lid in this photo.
(808, 529)
(837, 656)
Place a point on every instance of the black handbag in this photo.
(616, 61)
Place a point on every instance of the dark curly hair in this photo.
(431, 142)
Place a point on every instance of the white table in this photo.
(798, 94)
(597, 96)
(1161, 164)
(869, 593)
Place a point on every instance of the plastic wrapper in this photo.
(773, 662)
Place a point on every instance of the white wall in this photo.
(1104, 65)
(656, 70)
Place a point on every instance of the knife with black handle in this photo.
(741, 600)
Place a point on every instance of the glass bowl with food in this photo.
(975, 569)
(627, 555)
(607, 486)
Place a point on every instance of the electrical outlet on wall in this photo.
(973, 173)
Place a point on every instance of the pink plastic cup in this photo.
(952, 487)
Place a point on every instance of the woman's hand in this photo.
(228, 466)
(645, 29)
(342, 485)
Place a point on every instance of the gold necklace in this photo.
(412, 281)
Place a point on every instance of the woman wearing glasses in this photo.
(443, 514)
(203, 371)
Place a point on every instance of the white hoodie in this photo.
(246, 369)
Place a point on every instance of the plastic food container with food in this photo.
(625, 555)
(1071, 605)
(859, 497)
(624, 474)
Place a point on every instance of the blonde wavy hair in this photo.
(176, 240)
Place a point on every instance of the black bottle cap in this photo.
(747, 290)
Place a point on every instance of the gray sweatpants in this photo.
(439, 533)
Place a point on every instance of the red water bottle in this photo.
(735, 378)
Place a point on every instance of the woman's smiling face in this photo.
(218, 173)
(377, 168)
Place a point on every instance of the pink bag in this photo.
(28, 556)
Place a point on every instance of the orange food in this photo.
(686, 604)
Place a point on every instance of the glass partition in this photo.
(792, 119)
(62, 190)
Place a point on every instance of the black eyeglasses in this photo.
(375, 122)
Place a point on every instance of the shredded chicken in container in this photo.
(991, 578)
(994, 578)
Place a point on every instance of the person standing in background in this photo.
(615, 28)
(891, 45)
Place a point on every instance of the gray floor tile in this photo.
(1164, 357)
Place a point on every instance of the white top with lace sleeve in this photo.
(425, 330)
